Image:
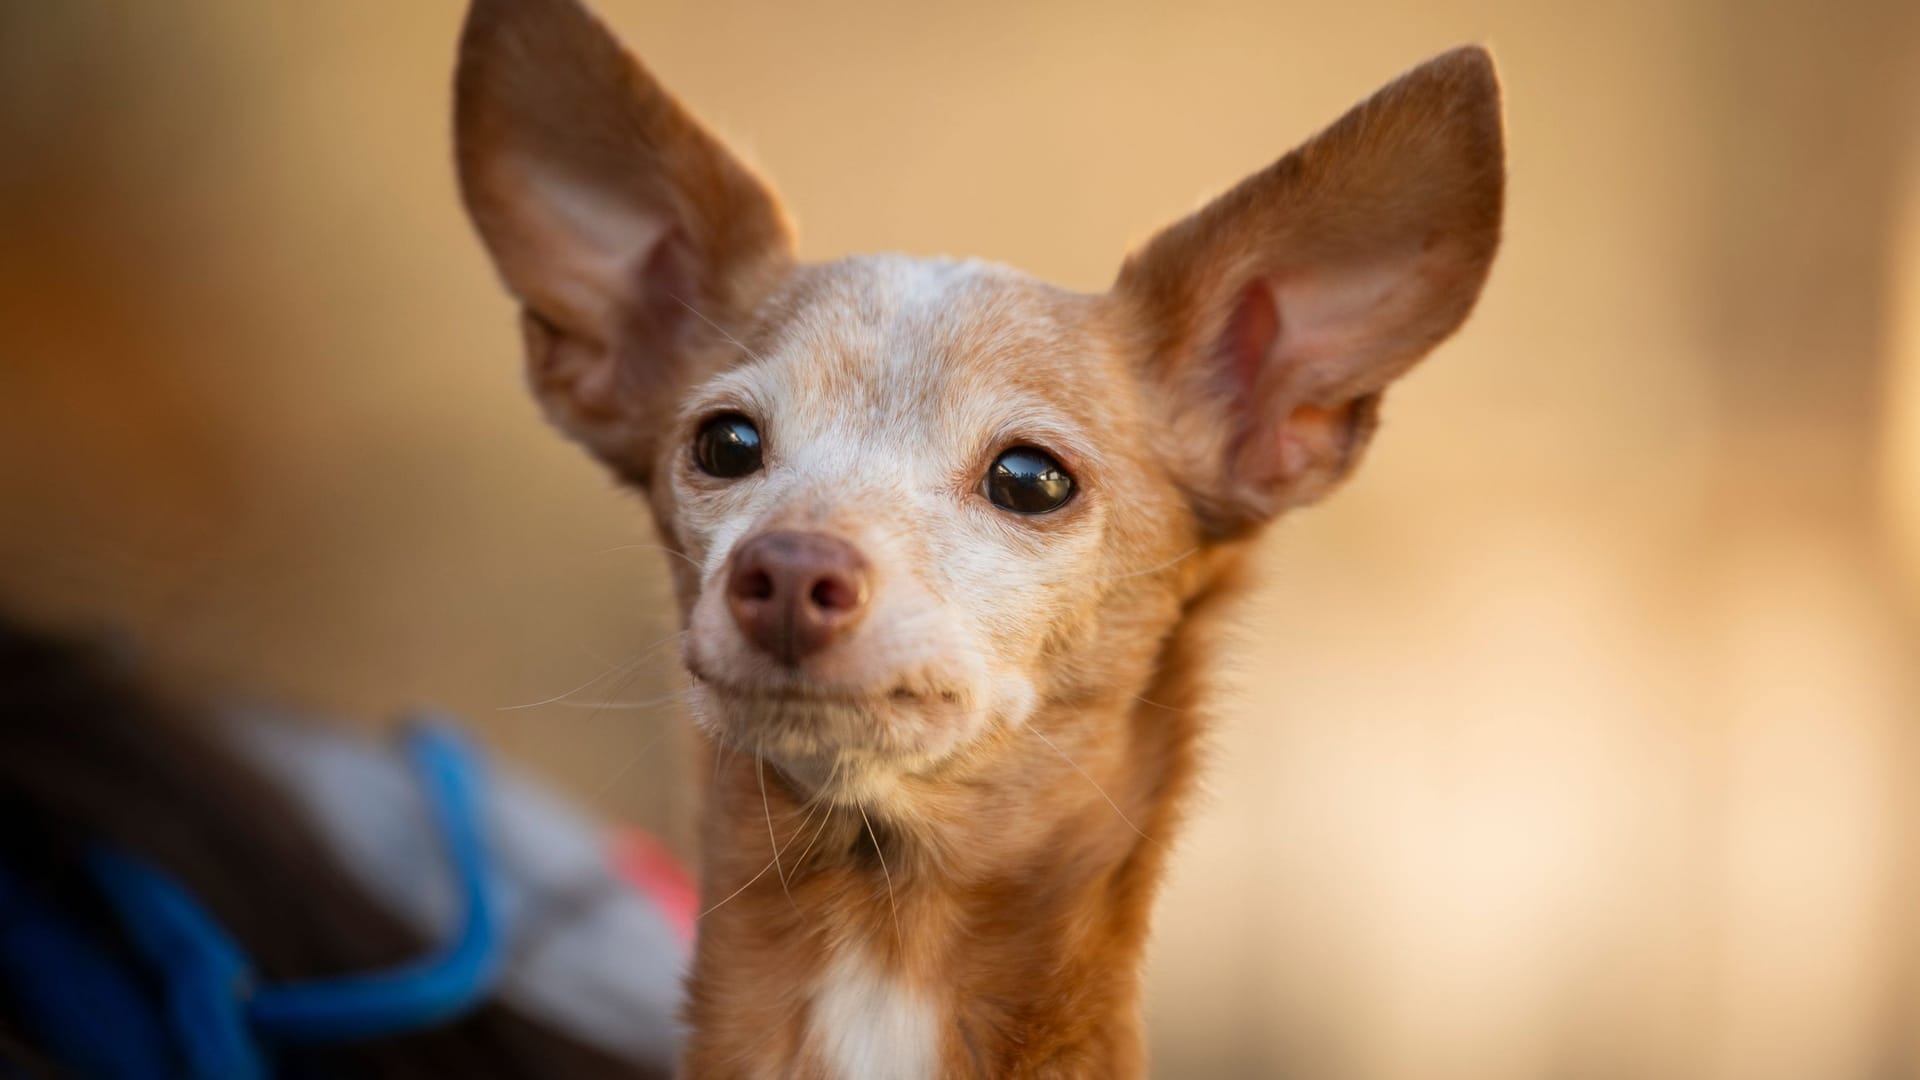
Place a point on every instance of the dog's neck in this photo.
(991, 928)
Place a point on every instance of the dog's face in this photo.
(946, 491)
(919, 500)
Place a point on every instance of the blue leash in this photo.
(436, 987)
(223, 1022)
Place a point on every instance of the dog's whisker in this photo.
(619, 687)
(818, 801)
(1155, 704)
(722, 754)
(616, 669)
(774, 861)
(1155, 568)
(648, 703)
(826, 816)
(797, 830)
(690, 560)
(760, 774)
(721, 330)
(899, 938)
(763, 872)
(677, 635)
(825, 820)
(569, 693)
(1096, 784)
(671, 639)
(826, 786)
(628, 766)
(736, 892)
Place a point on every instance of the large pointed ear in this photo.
(625, 229)
(1277, 314)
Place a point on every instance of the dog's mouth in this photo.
(808, 727)
(803, 693)
(797, 688)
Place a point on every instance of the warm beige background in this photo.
(1576, 740)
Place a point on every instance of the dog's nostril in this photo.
(794, 593)
(754, 585)
(834, 594)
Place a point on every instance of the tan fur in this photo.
(965, 806)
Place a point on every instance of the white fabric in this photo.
(588, 954)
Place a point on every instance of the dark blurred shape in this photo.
(91, 756)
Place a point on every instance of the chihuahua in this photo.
(951, 544)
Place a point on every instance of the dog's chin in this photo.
(850, 748)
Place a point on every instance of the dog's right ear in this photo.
(1277, 315)
(625, 229)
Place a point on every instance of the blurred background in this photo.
(1578, 738)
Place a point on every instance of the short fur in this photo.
(963, 808)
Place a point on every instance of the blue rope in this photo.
(203, 973)
(434, 988)
(221, 1020)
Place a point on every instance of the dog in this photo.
(950, 545)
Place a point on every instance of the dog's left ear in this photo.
(624, 227)
(1276, 315)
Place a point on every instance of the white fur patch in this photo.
(867, 1026)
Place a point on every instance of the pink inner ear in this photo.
(1244, 351)
(1251, 332)
(1272, 449)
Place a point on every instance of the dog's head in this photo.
(920, 499)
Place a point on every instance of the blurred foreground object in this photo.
(144, 846)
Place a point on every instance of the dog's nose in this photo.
(793, 593)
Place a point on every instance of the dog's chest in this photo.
(866, 1023)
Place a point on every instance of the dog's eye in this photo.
(727, 446)
(1028, 481)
